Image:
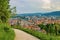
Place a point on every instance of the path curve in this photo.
(21, 35)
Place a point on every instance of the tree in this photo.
(13, 11)
(41, 26)
(4, 10)
(47, 28)
(51, 29)
(57, 28)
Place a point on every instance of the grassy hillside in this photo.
(37, 34)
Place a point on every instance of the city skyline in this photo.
(32, 6)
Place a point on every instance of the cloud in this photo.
(46, 1)
(24, 6)
(27, 5)
(46, 4)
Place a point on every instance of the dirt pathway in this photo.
(20, 35)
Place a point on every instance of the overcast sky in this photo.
(32, 6)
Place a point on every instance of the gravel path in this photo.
(20, 35)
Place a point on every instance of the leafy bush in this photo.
(6, 33)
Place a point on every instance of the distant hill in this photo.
(30, 14)
(55, 13)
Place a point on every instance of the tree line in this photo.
(52, 29)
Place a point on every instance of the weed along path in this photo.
(21, 35)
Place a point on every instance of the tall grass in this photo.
(6, 33)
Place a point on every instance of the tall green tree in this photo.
(57, 28)
(13, 11)
(51, 29)
(4, 10)
(41, 26)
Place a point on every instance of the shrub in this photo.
(6, 33)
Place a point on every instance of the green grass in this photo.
(6, 33)
(39, 35)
